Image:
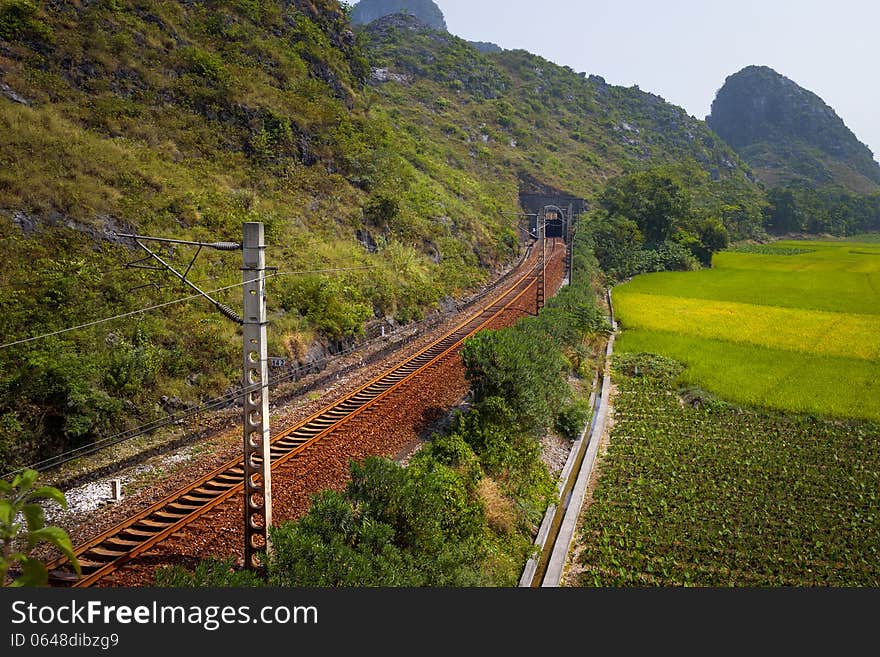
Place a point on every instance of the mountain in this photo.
(486, 46)
(789, 134)
(425, 11)
(385, 161)
(515, 118)
(366, 11)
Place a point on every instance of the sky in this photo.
(683, 50)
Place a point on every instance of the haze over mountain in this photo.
(789, 134)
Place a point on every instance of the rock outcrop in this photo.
(366, 11)
(789, 134)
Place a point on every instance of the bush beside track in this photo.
(464, 510)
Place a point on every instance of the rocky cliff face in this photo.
(486, 46)
(426, 11)
(787, 133)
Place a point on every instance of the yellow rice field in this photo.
(771, 328)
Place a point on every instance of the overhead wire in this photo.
(124, 436)
(218, 402)
(171, 303)
(108, 441)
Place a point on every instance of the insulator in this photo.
(225, 246)
(229, 312)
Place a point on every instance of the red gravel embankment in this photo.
(393, 429)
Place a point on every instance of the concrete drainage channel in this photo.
(556, 534)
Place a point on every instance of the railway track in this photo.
(110, 550)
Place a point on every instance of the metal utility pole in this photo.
(257, 460)
(569, 241)
(542, 233)
(255, 374)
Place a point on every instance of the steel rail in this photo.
(130, 538)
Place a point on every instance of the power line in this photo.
(174, 418)
(124, 436)
(170, 303)
(109, 319)
(218, 402)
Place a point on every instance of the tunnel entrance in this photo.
(554, 221)
(556, 210)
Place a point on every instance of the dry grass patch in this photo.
(500, 511)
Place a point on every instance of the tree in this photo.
(784, 215)
(713, 236)
(17, 502)
(616, 241)
(652, 199)
(706, 236)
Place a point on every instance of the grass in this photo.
(767, 377)
(830, 277)
(798, 331)
(837, 291)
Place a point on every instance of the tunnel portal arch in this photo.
(555, 221)
(567, 209)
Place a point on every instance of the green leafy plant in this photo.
(573, 418)
(18, 502)
(19, 20)
(697, 492)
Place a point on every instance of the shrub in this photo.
(573, 418)
(517, 366)
(18, 499)
(393, 526)
(452, 450)
(19, 21)
(332, 307)
(670, 256)
(204, 64)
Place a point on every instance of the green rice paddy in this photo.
(790, 326)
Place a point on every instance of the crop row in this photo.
(713, 495)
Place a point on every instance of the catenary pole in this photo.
(257, 461)
(542, 262)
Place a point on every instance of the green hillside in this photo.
(183, 120)
(788, 133)
(821, 178)
(530, 119)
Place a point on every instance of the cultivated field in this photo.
(790, 326)
(705, 494)
(698, 491)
